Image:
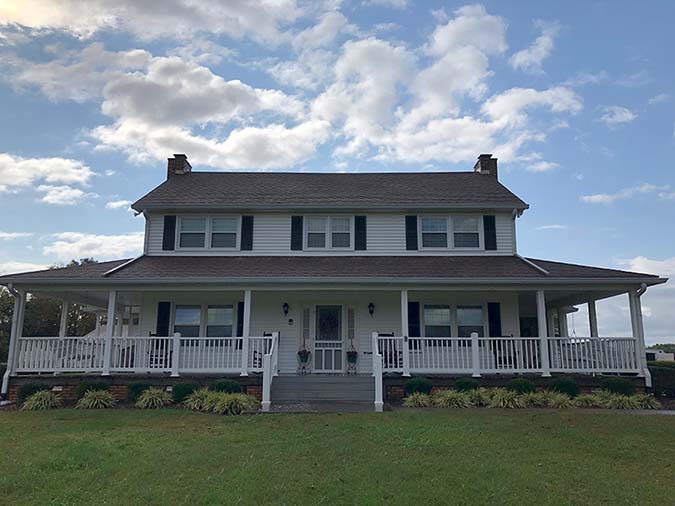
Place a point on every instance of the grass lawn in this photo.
(129, 457)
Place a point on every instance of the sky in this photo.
(575, 99)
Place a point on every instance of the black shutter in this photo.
(240, 319)
(296, 233)
(169, 238)
(494, 319)
(490, 232)
(414, 329)
(360, 233)
(163, 318)
(411, 232)
(247, 233)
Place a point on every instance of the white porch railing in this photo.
(142, 354)
(270, 370)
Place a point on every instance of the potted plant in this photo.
(303, 355)
(352, 355)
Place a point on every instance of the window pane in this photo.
(187, 315)
(464, 240)
(465, 223)
(219, 331)
(187, 330)
(219, 315)
(437, 331)
(469, 315)
(434, 240)
(192, 240)
(340, 224)
(219, 240)
(437, 315)
(315, 224)
(430, 224)
(341, 240)
(224, 225)
(467, 330)
(192, 224)
(315, 240)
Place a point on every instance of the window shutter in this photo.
(411, 232)
(360, 233)
(247, 233)
(169, 238)
(414, 329)
(494, 319)
(490, 232)
(163, 318)
(296, 233)
(240, 319)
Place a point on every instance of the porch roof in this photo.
(451, 269)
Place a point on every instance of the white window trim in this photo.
(450, 243)
(420, 233)
(328, 232)
(454, 322)
(486, 323)
(203, 316)
(207, 232)
(481, 239)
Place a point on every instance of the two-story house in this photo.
(307, 286)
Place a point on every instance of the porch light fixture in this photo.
(371, 308)
(285, 308)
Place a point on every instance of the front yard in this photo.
(167, 457)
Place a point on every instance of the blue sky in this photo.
(575, 99)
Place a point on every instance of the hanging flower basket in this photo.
(352, 356)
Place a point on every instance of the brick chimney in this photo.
(178, 166)
(486, 165)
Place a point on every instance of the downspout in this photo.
(645, 369)
(10, 354)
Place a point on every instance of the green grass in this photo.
(167, 457)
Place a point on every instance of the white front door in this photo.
(328, 339)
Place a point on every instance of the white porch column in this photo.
(98, 324)
(550, 322)
(63, 324)
(404, 332)
(562, 322)
(543, 333)
(639, 334)
(109, 331)
(15, 334)
(246, 329)
(592, 318)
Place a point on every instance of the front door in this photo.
(328, 339)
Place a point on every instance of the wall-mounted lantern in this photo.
(371, 308)
(285, 307)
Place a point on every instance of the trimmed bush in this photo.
(451, 399)
(197, 400)
(564, 386)
(96, 399)
(479, 396)
(663, 381)
(41, 400)
(181, 391)
(417, 400)
(86, 386)
(521, 386)
(417, 385)
(619, 401)
(617, 385)
(135, 389)
(232, 404)
(466, 384)
(536, 399)
(588, 401)
(25, 391)
(560, 401)
(661, 363)
(153, 398)
(226, 385)
(647, 402)
(506, 399)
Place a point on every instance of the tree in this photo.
(667, 347)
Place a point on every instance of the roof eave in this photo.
(283, 207)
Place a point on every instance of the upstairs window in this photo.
(436, 321)
(434, 232)
(187, 320)
(324, 232)
(470, 319)
(224, 232)
(465, 231)
(192, 233)
(219, 321)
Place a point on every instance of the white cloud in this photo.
(665, 267)
(322, 34)
(531, 58)
(9, 236)
(614, 116)
(584, 78)
(69, 245)
(261, 20)
(542, 166)
(118, 204)
(396, 4)
(17, 172)
(658, 99)
(63, 195)
(510, 106)
(626, 193)
(552, 227)
(15, 267)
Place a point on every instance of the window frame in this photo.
(484, 314)
(454, 320)
(208, 232)
(328, 231)
(423, 322)
(480, 231)
(203, 318)
(421, 232)
(450, 233)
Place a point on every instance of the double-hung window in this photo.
(329, 232)
(192, 232)
(434, 231)
(469, 320)
(187, 320)
(219, 321)
(465, 231)
(437, 321)
(224, 232)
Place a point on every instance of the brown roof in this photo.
(303, 190)
(217, 268)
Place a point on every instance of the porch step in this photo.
(323, 388)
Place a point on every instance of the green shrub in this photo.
(451, 399)
(620, 401)
(647, 401)
(41, 400)
(661, 363)
(86, 386)
(96, 399)
(663, 381)
(503, 398)
(521, 386)
(226, 385)
(417, 385)
(25, 391)
(535, 399)
(479, 396)
(223, 403)
(466, 384)
(196, 401)
(153, 398)
(588, 401)
(417, 400)
(135, 389)
(180, 391)
(617, 385)
(564, 386)
(560, 401)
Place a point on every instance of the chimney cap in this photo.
(178, 165)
